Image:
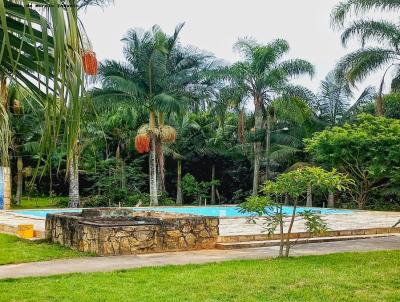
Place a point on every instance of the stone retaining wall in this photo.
(102, 231)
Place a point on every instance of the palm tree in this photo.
(265, 75)
(25, 134)
(186, 128)
(336, 99)
(42, 51)
(359, 64)
(160, 75)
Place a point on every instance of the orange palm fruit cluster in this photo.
(90, 64)
(142, 143)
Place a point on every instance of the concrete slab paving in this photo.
(107, 264)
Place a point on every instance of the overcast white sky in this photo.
(215, 25)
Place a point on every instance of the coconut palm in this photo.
(160, 75)
(265, 75)
(367, 60)
(336, 99)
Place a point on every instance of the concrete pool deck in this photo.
(240, 226)
(336, 222)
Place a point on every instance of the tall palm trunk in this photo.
(3, 91)
(258, 117)
(160, 158)
(160, 166)
(153, 172)
(74, 198)
(153, 162)
(20, 179)
(331, 200)
(179, 197)
(4, 125)
(5, 138)
(241, 126)
(309, 196)
(267, 147)
(213, 185)
(123, 175)
(379, 99)
(120, 165)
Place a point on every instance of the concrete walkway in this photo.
(106, 264)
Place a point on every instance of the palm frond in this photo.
(359, 64)
(349, 8)
(370, 30)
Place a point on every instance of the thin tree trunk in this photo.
(361, 200)
(290, 230)
(379, 97)
(379, 105)
(257, 145)
(20, 180)
(281, 231)
(286, 199)
(309, 196)
(74, 198)
(50, 181)
(153, 172)
(179, 197)
(123, 175)
(213, 185)
(331, 200)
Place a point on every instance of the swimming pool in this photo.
(216, 211)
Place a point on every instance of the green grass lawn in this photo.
(15, 250)
(358, 277)
(38, 203)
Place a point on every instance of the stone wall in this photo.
(106, 232)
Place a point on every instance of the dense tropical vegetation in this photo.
(172, 124)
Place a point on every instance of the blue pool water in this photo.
(206, 211)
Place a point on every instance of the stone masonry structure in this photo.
(107, 232)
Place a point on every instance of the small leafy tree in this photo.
(197, 190)
(367, 150)
(292, 186)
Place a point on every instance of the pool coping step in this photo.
(13, 230)
(271, 243)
